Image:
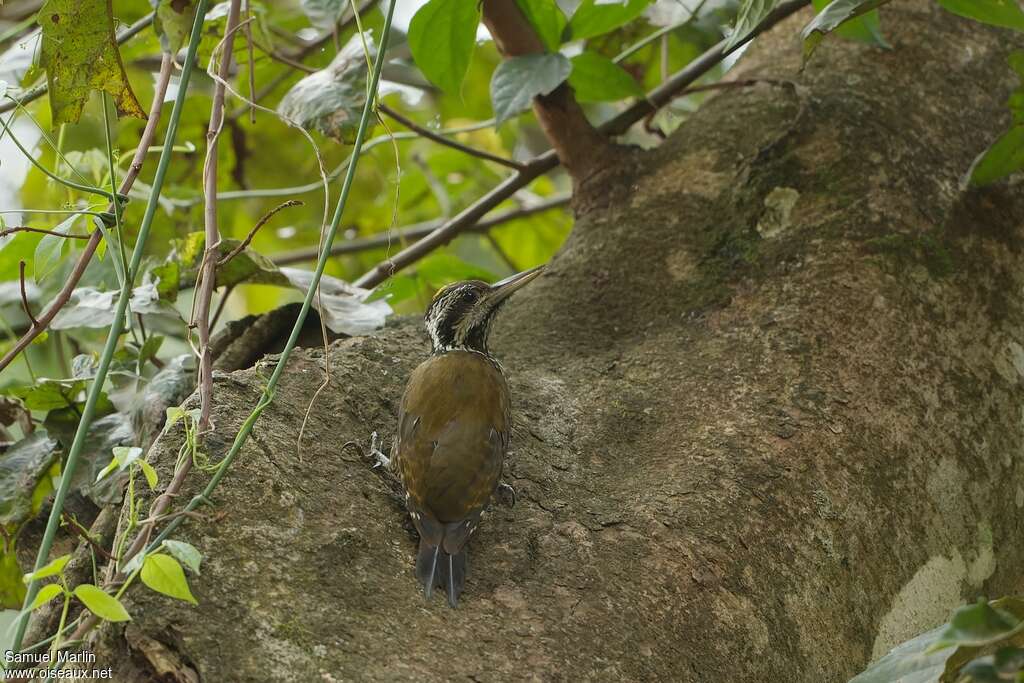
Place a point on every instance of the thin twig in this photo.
(25, 228)
(414, 232)
(441, 140)
(259, 224)
(24, 295)
(252, 60)
(220, 305)
(148, 134)
(543, 163)
(208, 270)
(285, 59)
(85, 536)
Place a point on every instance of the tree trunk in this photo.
(768, 409)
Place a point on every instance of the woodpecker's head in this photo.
(460, 315)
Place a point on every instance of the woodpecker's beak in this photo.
(505, 288)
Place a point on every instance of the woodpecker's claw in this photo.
(376, 454)
(506, 495)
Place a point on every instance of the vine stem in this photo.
(116, 327)
(148, 135)
(140, 543)
(208, 270)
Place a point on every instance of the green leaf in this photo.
(164, 574)
(100, 603)
(23, 468)
(187, 554)
(1005, 156)
(80, 55)
(49, 394)
(547, 20)
(126, 455)
(832, 17)
(1002, 667)
(48, 251)
(978, 625)
(172, 21)
(12, 588)
(910, 661)
(52, 568)
(750, 16)
(151, 476)
(45, 594)
(442, 35)
(595, 78)
(1005, 13)
(941, 652)
(518, 80)
(331, 100)
(593, 19)
(866, 28)
(324, 14)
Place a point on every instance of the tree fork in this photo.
(579, 146)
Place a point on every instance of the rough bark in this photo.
(768, 403)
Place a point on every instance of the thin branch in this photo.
(42, 231)
(221, 305)
(441, 140)
(148, 134)
(618, 125)
(252, 233)
(24, 295)
(84, 534)
(284, 59)
(38, 91)
(252, 61)
(414, 232)
(208, 269)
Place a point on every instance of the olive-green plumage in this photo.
(454, 424)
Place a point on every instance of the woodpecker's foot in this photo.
(505, 494)
(377, 455)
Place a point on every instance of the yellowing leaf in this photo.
(80, 54)
(164, 574)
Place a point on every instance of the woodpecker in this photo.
(454, 424)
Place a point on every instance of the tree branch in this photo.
(418, 231)
(148, 134)
(618, 125)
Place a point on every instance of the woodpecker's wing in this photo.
(454, 426)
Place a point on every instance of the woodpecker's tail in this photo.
(436, 568)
